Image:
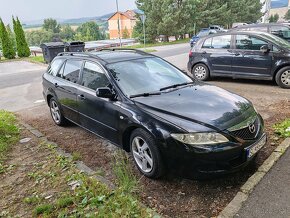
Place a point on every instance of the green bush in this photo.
(283, 128)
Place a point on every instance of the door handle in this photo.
(82, 97)
(237, 54)
(204, 52)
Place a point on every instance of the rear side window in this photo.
(218, 42)
(207, 43)
(54, 67)
(94, 77)
(247, 42)
(281, 31)
(72, 70)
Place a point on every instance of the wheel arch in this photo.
(279, 68)
(201, 62)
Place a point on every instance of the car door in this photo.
(249, 61)
(217, 51)
(66, 88)
(98, 115)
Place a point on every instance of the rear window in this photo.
(54, 67)
(72, 70)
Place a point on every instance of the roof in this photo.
(260, 25)
(130, 14)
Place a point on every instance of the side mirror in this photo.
(105, 92)
(265, 48)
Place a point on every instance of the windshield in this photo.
(277, 40)
(146, 75)
(202, 33)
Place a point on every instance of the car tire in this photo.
(56, 114)
(200, 72)
(283, 78)
(146, 155)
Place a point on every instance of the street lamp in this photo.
(119, 31)
(143, 18)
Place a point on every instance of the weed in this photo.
(31, 200)
(76, 156)
(44, 209)
(283, 129)
(64, 202)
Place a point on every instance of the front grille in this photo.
(245, 133)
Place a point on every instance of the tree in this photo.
(67, 33)
(22, 46)
(7, 44)
(11, 35)
(287, 15)
(37, 37)
(274, 18)
(51, 25)
(89, 31)
(125, 33)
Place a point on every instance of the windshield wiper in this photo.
(176, 85)
(145, 94)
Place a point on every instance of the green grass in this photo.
(91, 198)
(9, 134)
(283, 129)
(159, 44)
(37, 59)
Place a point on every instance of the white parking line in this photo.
(39, 101)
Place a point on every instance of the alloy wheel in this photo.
(55, 112)
(200, 72)
(285, 78)
(142, 154)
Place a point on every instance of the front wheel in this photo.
(146, 155)
(200, 72)
(283, 78)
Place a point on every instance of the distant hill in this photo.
(81, 20)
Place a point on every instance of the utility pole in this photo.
(143, 18)
(119, 31)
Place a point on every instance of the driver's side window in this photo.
(246, 42)
(93, 76)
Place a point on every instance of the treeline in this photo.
(180, 17)
(52, 31)
(13, 42)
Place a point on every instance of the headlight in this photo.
(206, 138)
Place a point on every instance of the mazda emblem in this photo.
(252, 128)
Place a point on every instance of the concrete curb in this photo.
(79, 164)
(235, 205)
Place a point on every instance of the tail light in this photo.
(190, 53)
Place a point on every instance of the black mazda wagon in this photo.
(152, 109)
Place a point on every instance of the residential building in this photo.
(272, 7)
(127, 22)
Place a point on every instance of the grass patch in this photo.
(283, 129)
(9, 134)
(44, 209)
(159, 44)
(36, 59)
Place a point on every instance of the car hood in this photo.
(202, 104)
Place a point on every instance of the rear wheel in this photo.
(283, 78)
(56, 114)
(200, 72)
(145, 154)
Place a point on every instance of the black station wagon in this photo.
(147, 106)
(242, 54)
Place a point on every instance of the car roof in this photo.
(108, 56)
(260, 25)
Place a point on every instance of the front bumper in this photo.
(231, 158)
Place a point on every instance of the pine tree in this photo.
(22, 46)
(7, 46)
(11, 36)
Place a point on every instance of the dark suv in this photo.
(242, 54)
(147, 106)
(281, 30)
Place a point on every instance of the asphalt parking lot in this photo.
(175, 195)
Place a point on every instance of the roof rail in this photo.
(124, 49)
(80, 54)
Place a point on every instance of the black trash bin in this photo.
(75, 46)
(51, 49)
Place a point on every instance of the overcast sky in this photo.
(29, 10)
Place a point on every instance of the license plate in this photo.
(251, 151)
